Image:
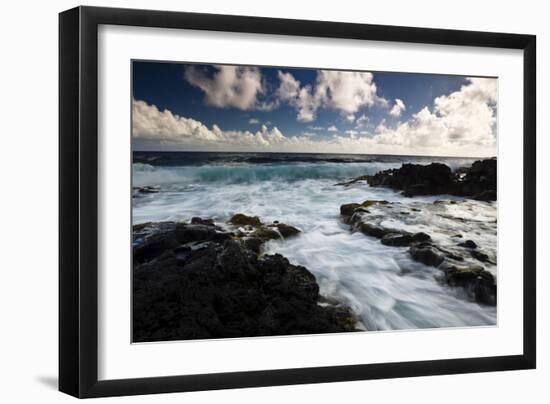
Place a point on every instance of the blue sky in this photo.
(180, 106)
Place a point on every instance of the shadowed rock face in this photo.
(474, 279)
(240, 219)
(403, 239)
(427, 254)
(416, 179)
(192, 281)
(349, 208)
(136, 191)
(477, 182)
(480, 181)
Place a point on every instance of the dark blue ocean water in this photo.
(202, 158)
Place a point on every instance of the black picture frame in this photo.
(78, 203)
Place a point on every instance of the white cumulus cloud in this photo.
(164, 128)
(230, 86)
(462, 123)
(361, 121)
(299, 97)
(398, 108)
(345, 92)
(148, 122)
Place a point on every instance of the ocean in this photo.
(383, 285)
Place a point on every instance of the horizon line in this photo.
(286, 152)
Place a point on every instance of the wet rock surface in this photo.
(468, 244)
(403, 239)
(350, 208)
(140, 191)
(286, 230)
(478, 283)
(478, 182)
(195, 281)
(253, 233)
(416, 179)
(427, 254)
(459, 261)
(240, 219)
(355, 180)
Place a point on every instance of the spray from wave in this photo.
(148, 175)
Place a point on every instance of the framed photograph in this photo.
(252, 202)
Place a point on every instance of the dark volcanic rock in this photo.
(240, 219)
(468, 244)
(169, 235)
(286, 230)
(252, 244)
(254, 240)
(137, 228)
(478, 255)
(480, 181)
(206, 222)
(356, 214)
(427, 254)
(404, 239)
(186, 233)
(264, 232)
(457, 258)
(373, 230)
(353, 181)
(477, 182)
(479, 284)
(191, 281)
(349, 209)
(490, 195)
(416, 179)
(147, 190)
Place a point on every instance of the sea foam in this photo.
(381, 284)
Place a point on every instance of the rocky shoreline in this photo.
(460, 265)
(477, 182)
(196, 281)
(203, 279)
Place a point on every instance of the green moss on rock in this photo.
(265, 233)
(240, 219)
(287, 230)
(349, 209)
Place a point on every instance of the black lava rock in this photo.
(427, 254)
(191, 281)
(404, 239)
(416, 179)
(468, 244)
(477, 182)
(478, 283)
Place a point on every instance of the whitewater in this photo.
(384, 287)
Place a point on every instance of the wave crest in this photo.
(146, 174)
